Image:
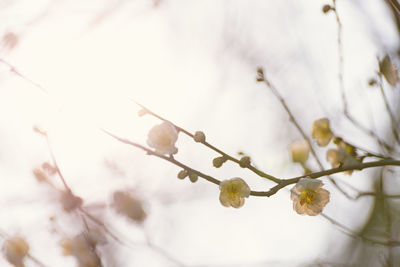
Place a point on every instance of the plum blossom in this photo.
(309, 197)
(321, 132)
(340, 157)
(15, 250)
(162, 138)
(299, 151)
(233, 192)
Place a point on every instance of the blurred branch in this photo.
(388, 109)
(342, 87)
(19, 74)
(347, 231)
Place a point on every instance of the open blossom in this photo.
(299, 151)
(162, 138)
(233, 192)
(340, 157)
(321, 132)
(309, 197)
(15, 249)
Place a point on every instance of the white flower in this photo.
(15, 250)
(309, 197)
(233, 192)
(299, 151)
(162, 138)
(321, 132)
(340, 157)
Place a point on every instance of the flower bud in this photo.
(218, 161)
(193, 177)
(244, 162)
(326, 8)
(389, 70)
(182, 174)
(199, 136)
(40, 175)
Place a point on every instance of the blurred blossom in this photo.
(129, 206)
(233, 192)
(340, 157)
(299, 151)
(162, 138)
(15, 250)
(40, 175)
(9, 41)
(321, 132)
(389, 70)
(309, 197)
(69, 201)
(83, 248)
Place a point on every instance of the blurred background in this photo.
(73, 68)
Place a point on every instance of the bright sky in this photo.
(193, 62)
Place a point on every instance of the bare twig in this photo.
(19, 74)
(342, 87)
(283, 182)
(353, 234)
(293, 120)
(219, 151)
(389, 110)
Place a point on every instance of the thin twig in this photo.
(56, 164)
(219, 151)
(293, 120)
(273, 190)
(388, 109)
(19, 74)
(342, 87)
(351, 233)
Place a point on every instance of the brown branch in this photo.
(389, 110)
(283, 182)
(292, 119)
(219, 151)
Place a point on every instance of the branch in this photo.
(388, 109)
(283, 182)
(292, 119)
(225, 155)
(342, 87)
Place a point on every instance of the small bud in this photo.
(259, 79)
(193, 177)
(218, 161)
(326, 8)
(260, 71)
(182, 174)
(389, 70)
(199, 137)
(40, 175)
(372, 82)
(244, 162)
(142, 112)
